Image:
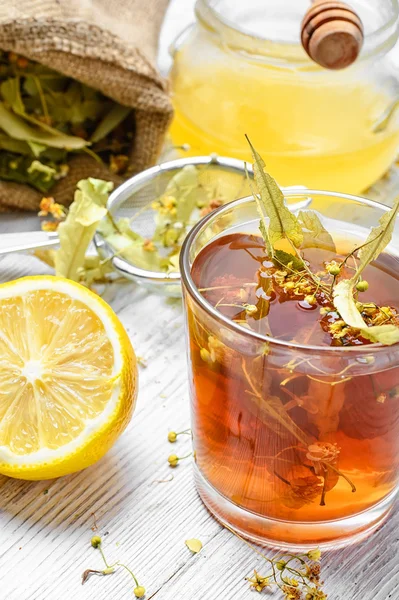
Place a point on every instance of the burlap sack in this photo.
(109, 45)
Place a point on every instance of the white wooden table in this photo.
(45, 527)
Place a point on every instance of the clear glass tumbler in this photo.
(256, 466)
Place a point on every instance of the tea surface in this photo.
(231, 270)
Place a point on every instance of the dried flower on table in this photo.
(97, 543)
(173, 435)
(258, 583)
(194, 545)
(296, 575)
(174, 460)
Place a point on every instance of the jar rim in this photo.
(190, 286)
(379, 40)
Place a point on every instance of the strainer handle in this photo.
(26, 240)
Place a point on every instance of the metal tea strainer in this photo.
(226, 176)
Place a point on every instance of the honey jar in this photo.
(242, 69)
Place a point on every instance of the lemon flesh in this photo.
(67, 377)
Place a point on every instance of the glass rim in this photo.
(382, 38)
(189, 285)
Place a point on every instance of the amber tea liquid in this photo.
(291, 437)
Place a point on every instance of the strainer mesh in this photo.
(223, 183)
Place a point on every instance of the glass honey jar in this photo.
(241, 69)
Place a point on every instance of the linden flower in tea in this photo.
(293, 429)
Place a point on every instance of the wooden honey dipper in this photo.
(332, 34)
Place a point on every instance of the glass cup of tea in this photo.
(295, 430)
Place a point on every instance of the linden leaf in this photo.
(345, 304)
(384, 334)
(17, 146)
(315, 235)
(36, 149)
(94, 270)
(110, 121)
(378, 239)
(17, 128)
(92, 197)
(282, 222)
(185, 192)
(130, 245)
(263, 228)
(78, 229)
(263, 222)
(285, 258)
(194, 545)
(10, 92)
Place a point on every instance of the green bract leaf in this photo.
(71, 107)
(112, 119)
(10, 92)
(77, 231)
(384, 334)
(94, 271)
(185, 192)
(285, 258)
(282, 223)
(315, 235)
(50, 82)
(130, 245)
(37, 149)
(345, 304)
(263, 224)
(17, 128)
(7, 143)
(377, 240)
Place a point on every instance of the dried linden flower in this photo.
(323, 451)
(172, 437)
(280, 565)
(250, 309)
(362, 286)
(258, 582)
(314, 554)
(139, 591)
(96, 541)
(311, 299)
(173, 460)
(333, 269)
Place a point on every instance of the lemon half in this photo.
(68, 377)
